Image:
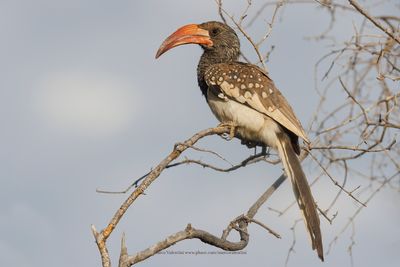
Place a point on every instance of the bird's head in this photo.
(212, 36)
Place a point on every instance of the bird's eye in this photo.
(214, 31)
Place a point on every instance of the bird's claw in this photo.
(232, 129)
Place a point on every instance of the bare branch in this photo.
(189, 233)
(336, 183)
(177, 151)
(373, 20)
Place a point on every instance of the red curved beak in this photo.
(188, 34)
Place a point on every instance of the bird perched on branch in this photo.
(243, 96)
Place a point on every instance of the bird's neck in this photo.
(209, 58)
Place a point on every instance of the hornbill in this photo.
(244, 96)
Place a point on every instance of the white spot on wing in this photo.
(247, 95)
(222, 96)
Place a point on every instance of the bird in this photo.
(243, 95)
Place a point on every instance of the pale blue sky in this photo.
(84, 105)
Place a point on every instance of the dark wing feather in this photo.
(250, 85)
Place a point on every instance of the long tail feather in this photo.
(302, 192)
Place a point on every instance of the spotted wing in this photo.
(251, 86)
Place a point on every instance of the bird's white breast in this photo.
(251, 124)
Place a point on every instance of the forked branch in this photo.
(239, 224)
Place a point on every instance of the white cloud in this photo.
(85, 103)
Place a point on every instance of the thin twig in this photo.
(373, 20)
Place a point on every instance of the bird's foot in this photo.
(232, 129)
